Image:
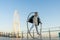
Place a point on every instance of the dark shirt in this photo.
(31, 20)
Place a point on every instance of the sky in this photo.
(48, 10)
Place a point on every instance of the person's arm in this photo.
(39, 20)
(30, 19)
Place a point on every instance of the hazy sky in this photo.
(49, 12)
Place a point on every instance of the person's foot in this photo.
(38, 33)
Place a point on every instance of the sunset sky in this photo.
(48, 10)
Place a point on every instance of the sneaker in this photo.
(38, 34)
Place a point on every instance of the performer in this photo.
(35, 20)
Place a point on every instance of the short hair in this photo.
(36, 12)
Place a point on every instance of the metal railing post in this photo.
(49, 35)
(27, 36)
(41, 32)
(33, 34)
(22, 35)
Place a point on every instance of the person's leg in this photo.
(36, 29)
(31, 27)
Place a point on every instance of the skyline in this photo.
(48, 10)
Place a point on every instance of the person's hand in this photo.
(40, 23)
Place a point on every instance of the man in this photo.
(35, 21)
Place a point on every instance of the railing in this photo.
(47, 34)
